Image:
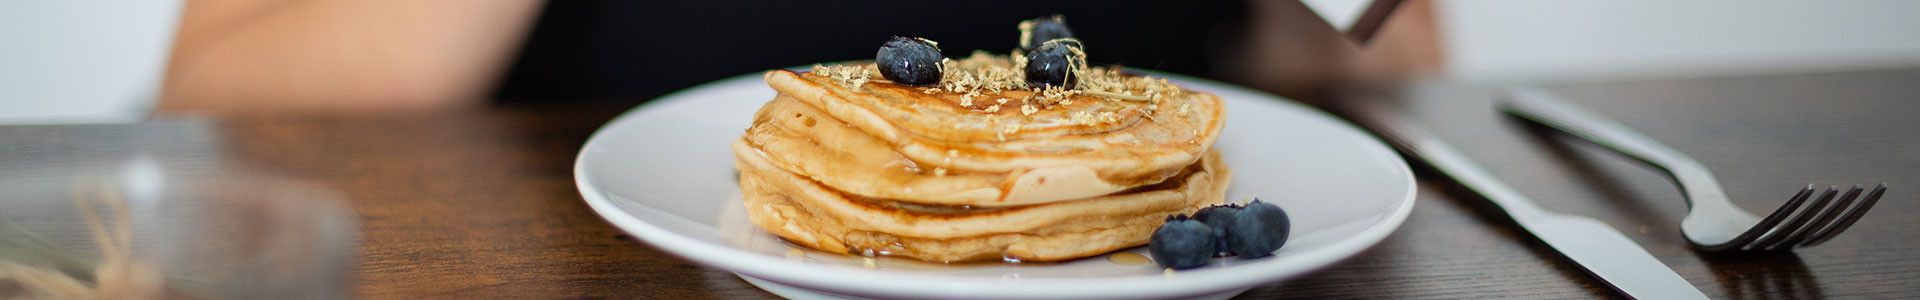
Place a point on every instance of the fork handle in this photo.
(1545, 108)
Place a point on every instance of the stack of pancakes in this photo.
(852, 164)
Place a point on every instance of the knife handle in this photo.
(1415, 140)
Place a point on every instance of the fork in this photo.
(1713, 223)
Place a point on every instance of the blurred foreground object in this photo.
(148, 211)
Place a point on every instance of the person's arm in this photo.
(1291, 51)
(340, 55)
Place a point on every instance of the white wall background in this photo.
(1587, 39)
(82, 61)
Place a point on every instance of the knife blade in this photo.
(1602, 251)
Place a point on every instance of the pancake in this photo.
(952, 145)
(979, 166)
(809, 213)
(804, 140)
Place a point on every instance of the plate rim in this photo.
(894, 283)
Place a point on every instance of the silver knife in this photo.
(1599, 249)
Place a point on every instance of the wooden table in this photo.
(482, 202)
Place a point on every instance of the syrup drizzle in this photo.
(1128, 259)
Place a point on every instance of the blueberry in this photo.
(1217, 217)
(909, 61)
(1052, 63)
(1258, 230)
(1040, 30)
(1182, 243)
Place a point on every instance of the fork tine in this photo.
(1825, 216)
(1767, 223)
(1800, 218)
(1853, 215)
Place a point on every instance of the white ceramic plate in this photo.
(664, 173)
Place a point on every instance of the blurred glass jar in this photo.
(139, 231)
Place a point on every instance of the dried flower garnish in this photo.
(1080, 117)
(850, 76)
(986, 76)
(980, 73)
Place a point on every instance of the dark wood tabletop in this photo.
(482, 202)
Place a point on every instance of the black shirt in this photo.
(638, 50)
